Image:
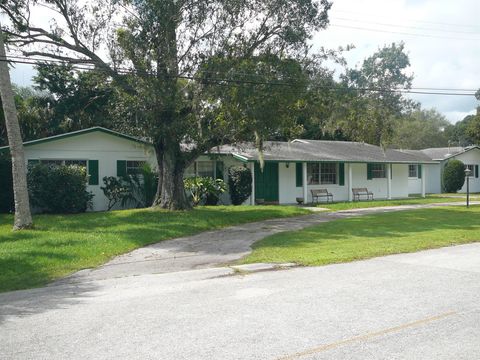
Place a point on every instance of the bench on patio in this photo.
(321, 193)
(358, 192)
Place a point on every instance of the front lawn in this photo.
(370, 236)
(430, 199)
(62, 244)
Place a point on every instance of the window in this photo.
(321, 173)
(472, 169)
(134, 166)
(313, 173)
(76, 162)
(205, 169)
(413, 171)
(328, 173)
(379, 171)
(64, 162)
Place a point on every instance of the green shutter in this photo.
(369, 171)
(298, 174)
(93, 172)
(121, 168)
(419, 174)
(341, 174)
(219, 169)
(476, 171)
(391, 171)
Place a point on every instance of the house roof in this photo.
(320, 150)
(447, 152)
(81, 132)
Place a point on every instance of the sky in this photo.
(442, 39)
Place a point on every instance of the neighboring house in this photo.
(292, 169)
(470, 156)
(102, 151)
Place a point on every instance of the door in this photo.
(266, 182)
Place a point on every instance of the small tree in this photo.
(114, 190)
(453, 176)
(204, 188)
(240, 184)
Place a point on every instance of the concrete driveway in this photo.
(217, 247)
(411, 306)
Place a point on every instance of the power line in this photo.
(471, 26)
(219, 81)
(405, 26)
(403, 33)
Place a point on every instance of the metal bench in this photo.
(358, 192)
(321, 193)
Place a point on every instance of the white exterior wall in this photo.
(471, 157)
(433, 178)
(379, 187)
(431, 174)
(288, 192)
(105, 148)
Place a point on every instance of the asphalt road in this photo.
(411, 306)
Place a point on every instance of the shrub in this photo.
(453, 176)
(141, 187)
(204, 189)
(6, 186)
(114, 190)
(59, 189)
(239, 183)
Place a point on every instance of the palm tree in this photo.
(23, 217)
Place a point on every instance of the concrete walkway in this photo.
(217, 247)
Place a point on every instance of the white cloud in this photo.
(446, 56)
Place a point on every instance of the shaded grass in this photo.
(62, 244)
(431, 199)
(370, 236)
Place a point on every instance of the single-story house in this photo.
(102, 151)
(470, 156)
(290, 169)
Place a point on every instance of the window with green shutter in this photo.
(341, 174)
(121, 168)
(92, 172)
(298, 174)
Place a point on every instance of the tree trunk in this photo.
(23, 217)
(171, 191)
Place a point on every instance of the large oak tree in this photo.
(164, 55)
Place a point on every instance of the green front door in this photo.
(266, 182)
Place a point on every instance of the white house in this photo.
(291, 169)
(102, 151)
(470, 156)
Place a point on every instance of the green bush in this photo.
(59, 189)
(6, 185)
(239, 183)
(453, 176)
(141, 188)
(114, 190)
(204, 189)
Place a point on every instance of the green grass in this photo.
(370, 236)
(431, 199)
(62, 244)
